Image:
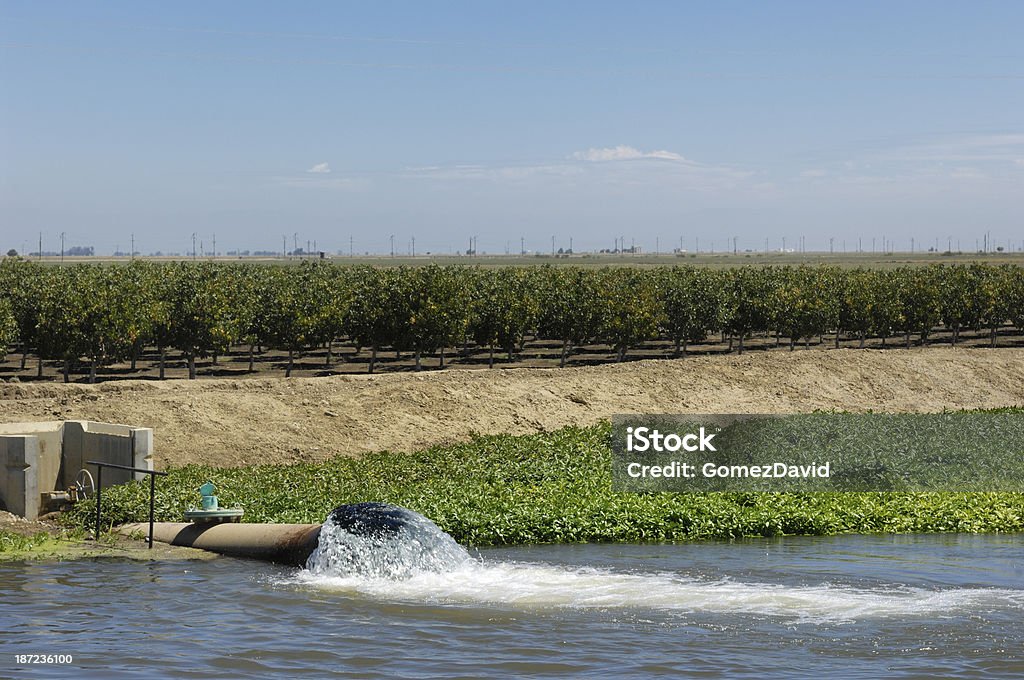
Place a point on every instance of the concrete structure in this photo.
(36, 458)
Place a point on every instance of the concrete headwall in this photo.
(39, 457)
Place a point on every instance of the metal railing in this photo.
(99, 491)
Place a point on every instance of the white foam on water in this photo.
(541, 586)
(421, 563)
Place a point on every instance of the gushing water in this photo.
(380, 541)
(389, 553)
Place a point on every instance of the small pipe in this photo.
(283, 543)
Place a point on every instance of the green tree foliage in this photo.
(960, 291)
(206, 316)
(691, 299)
(855, 301)
(299, 307)
(1013, 294)
(62, 324)
(568, 309)
(805, 302)
(629, 308)
(918, 293)
(747, 301)
(8, 327)
(437, 308)
(504, 308)
(20, 283)
(104, 314)
(886, 306)
(378, 307)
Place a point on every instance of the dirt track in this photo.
(237, 422)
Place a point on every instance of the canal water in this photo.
(848, 606)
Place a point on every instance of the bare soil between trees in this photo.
(275, 420)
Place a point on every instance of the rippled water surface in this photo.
(851, 606)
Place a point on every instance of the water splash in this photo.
(389, 553)
(381, 541)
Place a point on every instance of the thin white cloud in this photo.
(320, 182)
(507, 172)
(960, 149)
(320, 169)
(623, 152)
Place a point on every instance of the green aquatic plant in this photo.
(553, 487)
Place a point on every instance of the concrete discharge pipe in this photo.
(283, 543)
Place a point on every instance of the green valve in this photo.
(209, 510)
(209, 500)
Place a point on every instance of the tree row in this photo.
(107, 314)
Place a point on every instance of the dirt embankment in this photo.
(238, 422)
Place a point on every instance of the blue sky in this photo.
(651, 121)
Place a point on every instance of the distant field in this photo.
(872, 260)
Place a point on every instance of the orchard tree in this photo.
(804, 302)
(21, 284)
(995, 304)
(918, 295)
(328, 295)
(855, 292)
(960, 300)
(303, 308)
(691, 299)
(65, 296)
(504, 308)
(886, 305)
(8, 327)
(568, 309)
(437, 310)
(747, 296)
(1013, 293)
(205, 314)
(629, 306)
(378, 307)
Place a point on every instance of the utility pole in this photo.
(414, 246)
(215, 246)
(552, 246)
(40, 253)
(831, 245)
(193, 245)
(735, 250)
(392, 245)
(295, 243)
(351, 248)
(284, 245)
(522, 245)
(570, 245)
(62, 247)
(132, 258)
